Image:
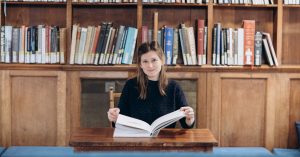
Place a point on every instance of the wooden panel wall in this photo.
(241, 109)
(34, 108)
(1, 105)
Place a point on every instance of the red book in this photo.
(144, 34)
(249, 33)
(200, 40)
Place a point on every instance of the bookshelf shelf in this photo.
(246, 5)
(290, 6)
(176, 68)
(173, 5)
(103, 4)
(35, 3)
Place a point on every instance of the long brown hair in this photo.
(142, 77)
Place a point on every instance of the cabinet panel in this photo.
(294, 112)
(34, 109)
(87, 97)
(243, 112)
(241, 108)
(95, 101)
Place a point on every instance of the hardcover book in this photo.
(132, 127)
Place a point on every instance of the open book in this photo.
(132, 127)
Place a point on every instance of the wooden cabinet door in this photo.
(33, 108)
(241, 108)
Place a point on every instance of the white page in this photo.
(132, 122)
(125, 131)
(168, 118)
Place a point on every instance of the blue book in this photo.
(169, 35)
(129, 46)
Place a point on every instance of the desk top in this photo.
(168, 139)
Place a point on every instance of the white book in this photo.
(81, 45)
(2, 36)
(40, 40)
(273, 54)
(192, 45)
(7, 43)
(240, 48)
(132, 127)
(268, 53)
(43, 48)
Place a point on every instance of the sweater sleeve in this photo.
(180, 101)
(123, 102)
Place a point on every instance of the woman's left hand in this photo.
(189, 114)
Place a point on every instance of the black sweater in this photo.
(155, 105)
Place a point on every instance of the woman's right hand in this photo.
(113, 114)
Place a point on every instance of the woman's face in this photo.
(151, 65)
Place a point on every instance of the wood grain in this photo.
(168, 139)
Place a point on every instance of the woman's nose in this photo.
(150, 65)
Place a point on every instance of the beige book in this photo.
(22, 45)
(91, 45)
(77, 44)
(73, 43)
(155, 26)
(62, 44)
(96, 38)
(87, 45)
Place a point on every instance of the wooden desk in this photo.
(168, 140)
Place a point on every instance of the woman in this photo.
(151, 95)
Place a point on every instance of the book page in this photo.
(133, 122)
(125, 131)
(166, 120)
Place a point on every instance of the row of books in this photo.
(106, 1)
(145, 1)
(243, 1)
(291, 1)
(242, 46)
(181, 43)
(178, 1)
(33, 44)
(103, 44)
(36, 0)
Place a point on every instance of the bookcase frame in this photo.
(277, 19)
(269, 18)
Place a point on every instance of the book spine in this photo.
(249, 32)
(200, 40)
(258, 49)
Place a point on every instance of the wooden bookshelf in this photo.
(272, 90)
